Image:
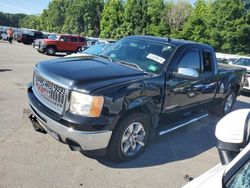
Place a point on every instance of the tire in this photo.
(79, 49)
(129, 138)
(50, 50)
(226, 106)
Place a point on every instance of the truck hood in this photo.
(87, 73)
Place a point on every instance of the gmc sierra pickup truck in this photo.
(140, 86)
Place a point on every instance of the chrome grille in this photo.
(50, 94)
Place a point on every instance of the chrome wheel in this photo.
(133, 139)
(229, 103)
(51, 51)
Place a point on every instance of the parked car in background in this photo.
(96, 49)
(30, 36)
(233, 145)
(105, 41)
(221, 60)
(60, 43)
(140, 86)
(231, 60)
(3, 35)
(91, 41)
(245, 63)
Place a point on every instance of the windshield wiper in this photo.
(106, 56)
(131, 64)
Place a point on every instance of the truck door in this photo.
(63, 44)
(208, 78)
(184, 94)
(73, 43)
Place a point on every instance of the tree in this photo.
(155, 25)
(31, 22)
(83, 16)
(176, 14)
(12, 20)
(229, 27)
(112, 18)
(196, 27)
(53, 18)
(135, 17)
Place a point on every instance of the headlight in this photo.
(86, 105)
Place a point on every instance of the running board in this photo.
(182, 124)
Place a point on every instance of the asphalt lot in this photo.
(30, 159)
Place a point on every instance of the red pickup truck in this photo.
(60, 43)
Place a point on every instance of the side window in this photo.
(207, 61)
(64, 38)
(73, 39)
(247, 62)
(82, 39)
(190, 59)
(241, 178)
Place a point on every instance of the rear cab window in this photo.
(207, 62)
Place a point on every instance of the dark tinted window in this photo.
(64, 38)
(207, 61)
(190, 59)
(73, 39)
(82, 39)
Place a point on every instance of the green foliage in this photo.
(83, 16)
(225, 24)
(30, 22)
(53, 18)
(12, 20)
(228, 27)
(112, 18)
(196, 27)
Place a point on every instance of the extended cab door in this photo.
(187, 94)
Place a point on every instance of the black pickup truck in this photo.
(140, 86)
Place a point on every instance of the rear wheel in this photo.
(130, 138)
(226, 106)
(50, 50)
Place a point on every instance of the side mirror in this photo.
(62, 40)
(233, 134)
(186, 73)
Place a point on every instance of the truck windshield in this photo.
(148, 55)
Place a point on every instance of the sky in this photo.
(27, 6)
(23, 6)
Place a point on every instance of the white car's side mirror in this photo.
(233, 134)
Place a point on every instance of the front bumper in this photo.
(87, 140)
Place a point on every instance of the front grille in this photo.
(50, 94)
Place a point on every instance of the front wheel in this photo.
(130, 138)
(50, 50)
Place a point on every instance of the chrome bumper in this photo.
(87, 140)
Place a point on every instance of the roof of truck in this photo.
(175, 42)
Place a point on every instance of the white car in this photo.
(245, 63)
(233, 134)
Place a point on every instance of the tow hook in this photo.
(36, 125)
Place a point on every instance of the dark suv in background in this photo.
(28, 38)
